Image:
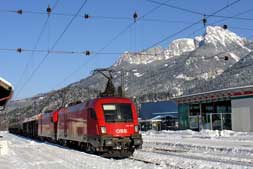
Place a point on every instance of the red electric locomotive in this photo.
(107, 126)
(47, 126)
(104, 125)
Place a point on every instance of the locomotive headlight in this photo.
(103, 130)
(136, 129)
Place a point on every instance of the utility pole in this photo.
(123, 82)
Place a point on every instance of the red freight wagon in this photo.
(30, 126)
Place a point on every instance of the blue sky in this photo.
(21, 31)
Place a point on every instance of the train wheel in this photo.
(118, 154)
(90, 149)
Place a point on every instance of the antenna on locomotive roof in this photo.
(110, 88)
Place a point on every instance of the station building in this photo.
(163, 121)
(226, 109)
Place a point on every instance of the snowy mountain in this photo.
(180, 46)
(217, 36)
(222, 37)
(176, 48)
(184, 64)
(141, 58)
(240, 74)
(217, 59)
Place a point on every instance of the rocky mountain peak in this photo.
(145, 57)
(176, 48)
(180, 46)
(217, 35)
(185, 67)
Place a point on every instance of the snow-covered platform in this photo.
(165, 149)
(28, 154)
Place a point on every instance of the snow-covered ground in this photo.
(205, 149)
(165, 149)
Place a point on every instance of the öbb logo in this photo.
(120, 131)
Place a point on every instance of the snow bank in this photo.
(202, 133)
(3, 148)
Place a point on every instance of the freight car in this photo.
(107, 126)
(30, 126)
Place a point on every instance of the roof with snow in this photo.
(227, 94)
(6, 90)
(164, 116)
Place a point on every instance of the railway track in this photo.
(154, 163)
(203, 157)
(189, 147)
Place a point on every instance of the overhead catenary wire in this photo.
(164, 69)
(176, 7)
(172, 35)
(55, 4)
(191, 25)
(187, 27)
(98, 52)
(110, 41)
(224, 19)
(129, 26)
(34, 48)
(53, 46)
(233, 17)
(78, 52)
(201, 13)
(152, 10)
(37, 41)
(69, 52)
(86, 52)
(221, 55)
(90, 16)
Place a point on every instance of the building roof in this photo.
(164, 116)
(150, 110)
(6, 82)
(160, 117)
(6, 91)
(226, 94)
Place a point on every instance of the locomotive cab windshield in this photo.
(118, 113)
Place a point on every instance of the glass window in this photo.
(92, 114)
(194, 109)
(118, 112)
(183, 110)
(224, 107)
